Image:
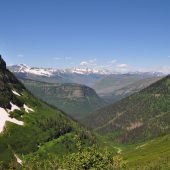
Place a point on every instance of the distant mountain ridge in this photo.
(118, 92)
(109, 86)
(23, 68)
(52, 71)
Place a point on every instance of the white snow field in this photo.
(18, 159)
(16, 93)
(4, 116)
(28, 109)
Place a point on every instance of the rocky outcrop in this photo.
(2, 63)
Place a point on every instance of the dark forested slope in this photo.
(139, 117)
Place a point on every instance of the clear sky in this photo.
(65, 33)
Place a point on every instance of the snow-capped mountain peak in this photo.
(23, 68)
(48, 72)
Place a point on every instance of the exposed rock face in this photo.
(70, 91)
(77, 91)
(8, 82)
(2, 63)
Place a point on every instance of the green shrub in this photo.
(16, 114)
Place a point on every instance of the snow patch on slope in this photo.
(28, 109)
(18, 159)
(13, 107)
(4, 116)
(16, 93)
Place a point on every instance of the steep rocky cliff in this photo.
(76, 100)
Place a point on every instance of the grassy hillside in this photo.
(153, 154)
(41, 123)
(148, 155)
(74, 99)
(139, 117)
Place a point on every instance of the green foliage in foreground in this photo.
(88, 158)
(85, 158)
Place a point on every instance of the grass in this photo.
(151, 152)
(61, 146)
(5, 152)
(147, 155)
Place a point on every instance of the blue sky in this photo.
(65, 33)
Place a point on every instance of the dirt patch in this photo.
(134, 126)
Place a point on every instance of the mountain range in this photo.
(59, 87)
(52, 72)
(23, 68)
(35, 135)
(106, 83)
